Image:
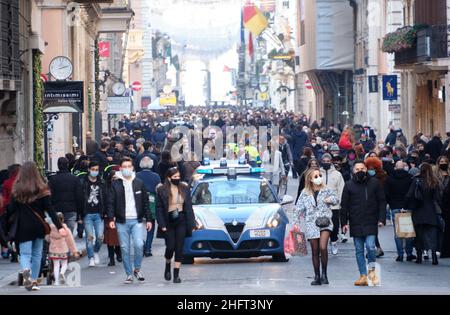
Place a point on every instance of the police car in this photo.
(238, 214)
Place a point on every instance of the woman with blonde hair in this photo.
(314, 205)
(30, 203)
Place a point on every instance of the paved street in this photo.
(254, 276)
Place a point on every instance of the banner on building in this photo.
(168, 99)
(373, 84)
(119, 105)
(390, 88)
(104, 49)
(63, 97)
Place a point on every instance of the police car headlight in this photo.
(274, 221)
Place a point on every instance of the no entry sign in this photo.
(136, 86)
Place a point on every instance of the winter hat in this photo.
(326, 156)
(334, 147)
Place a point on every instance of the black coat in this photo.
(396, 187)
(102, 159)
(162, 210)
(86, 192)
(423, 203)
(434, 148)
(364, 206)
(66, 192)
(29, 227)
(116, 201)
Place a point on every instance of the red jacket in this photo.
(6, 193)
(345, 142)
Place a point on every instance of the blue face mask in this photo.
(126, 172)
(372, 173)
(93, 174)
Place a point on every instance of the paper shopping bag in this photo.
(404, 227)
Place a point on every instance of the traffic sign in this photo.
(308, 85)
(136, 86)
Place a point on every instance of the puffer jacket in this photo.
(335, 181)
(61, 243)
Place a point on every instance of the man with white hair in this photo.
(151, 180)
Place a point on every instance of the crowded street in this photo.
(224, 147)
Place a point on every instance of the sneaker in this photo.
(35, 287)
(372, 276)
(411, 258)
(344, 238)
(334, 248)
(399, 259)
(62, 279)
(91, 262)
(97, 258)
(148, 254)
(380, 253)
(26, 279)
(425, 255)
(139, 275)
(129, 279)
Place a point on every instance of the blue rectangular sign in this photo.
(390, 88)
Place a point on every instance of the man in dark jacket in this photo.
(127, 208)
(148, 152)
(94, 209)
(396, 187)
(150, 180)
(364, 207)
(434, 147)
(101, 156)
(299, 140)
(66, 193)
(391, 138)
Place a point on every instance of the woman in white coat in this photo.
(314, 205)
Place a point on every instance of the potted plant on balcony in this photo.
(402, 39)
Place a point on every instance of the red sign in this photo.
(104, 49)
(136, 86)
(308, 85)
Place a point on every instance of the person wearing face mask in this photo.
(334, 180)
(128, 207)
(175, 218)
(396, 187)
(314, 205)
(363, 206)
(316, 148)
(94, 209)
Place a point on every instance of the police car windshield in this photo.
(233, 192)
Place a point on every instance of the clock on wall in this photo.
(61, 68)
(119, 88)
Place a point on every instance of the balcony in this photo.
(115, 17)
(431, 44)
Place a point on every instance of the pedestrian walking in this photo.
(94, 210)
(111, 239)
(364, 208)
(175, 219)
(27, 212)
(61, 243)
(334, 180)
(127, 208)
(150, 180)
(314, 205)
(396, 187)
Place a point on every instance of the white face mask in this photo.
(317, 181)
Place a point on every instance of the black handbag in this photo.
(323, 222)
(174, 216)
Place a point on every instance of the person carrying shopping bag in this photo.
(315, 204)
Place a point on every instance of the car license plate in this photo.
(259, 233)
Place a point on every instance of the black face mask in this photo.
(443, 167)
(326, 166)
(361, 176)
(175, 182)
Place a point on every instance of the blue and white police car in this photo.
(238, 214)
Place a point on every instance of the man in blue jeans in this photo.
(396, 187)
(128, 207)
(94, 193)
(364, 206)
(151, 180)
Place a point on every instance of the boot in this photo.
(324, 279)
(167, 274)
(176, 275)
(112, 262)
(118, 254)
(434, 258)
(419, 257)
(316, 280)
(362, 281)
